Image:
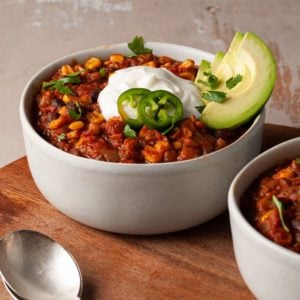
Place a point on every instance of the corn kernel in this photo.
(284, 173)
(187, 64)
(80, 142)
(187, 75)
(67, 98)
(92, 63)
(76, 125)
(78, 68)
(162, 145)
(75, 134)
(95, 117)
(266, 216)
(177, 145)
(150, 64)
(63, 111)
(94, 128)
(152, 155)
(166, 65)
(85, 99)
(66, 69)
(56, 123)
(117, 58)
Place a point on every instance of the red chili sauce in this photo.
(72, 121)
(272, 204)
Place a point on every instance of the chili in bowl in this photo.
(263, 205)
(161, 179)
(74, 111)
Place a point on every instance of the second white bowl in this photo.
(270, 271)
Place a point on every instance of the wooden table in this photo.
(193, 264)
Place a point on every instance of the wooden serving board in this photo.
(192, 264)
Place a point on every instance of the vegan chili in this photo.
(272, 204)
(68, 116)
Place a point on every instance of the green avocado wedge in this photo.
(251, 58)
(206, 66)
(217, 60)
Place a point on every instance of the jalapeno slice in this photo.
(160, 110)
(127, 106)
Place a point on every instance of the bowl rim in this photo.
(88, 162)
(238, 217)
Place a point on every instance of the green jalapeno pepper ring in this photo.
(160, 109)
(131, 98)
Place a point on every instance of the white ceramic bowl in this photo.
(134, 198)
(270, 271)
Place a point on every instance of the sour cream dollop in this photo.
(152, 79)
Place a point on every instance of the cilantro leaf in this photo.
(214, 96)
(233, 81)
(62, 89)
(59, 84)
(280, 208)
(71, 79)
(102, 72)
(297, 160)
(129, 132)
(212, 80)
(75, 113)
(61, 137)
(137, 46)
(168, 129)
(76, 73)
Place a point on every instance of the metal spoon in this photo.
(34, 266)
(11, 293)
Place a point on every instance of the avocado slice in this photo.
(249, 56)
(232, 48)
(217, 60)
(206, 66)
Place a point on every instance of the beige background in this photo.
(35, 32)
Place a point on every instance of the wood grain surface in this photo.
(193, 264)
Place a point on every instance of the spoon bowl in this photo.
(34, 266)
(12, 294)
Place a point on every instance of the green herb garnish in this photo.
(280, 208)
(76, 73)
(233, 81)
(137, 46)
(215, 96)
(75, 113)
(129, 132)
(212, 80)
(168, 129)
(61, 137)
(59, 84)
(200, 108)
(297, 160)
(102, 72)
